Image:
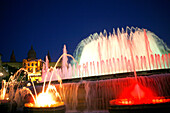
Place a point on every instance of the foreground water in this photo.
(94, 96)
(101, 111)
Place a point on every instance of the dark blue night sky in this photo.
(49, 24)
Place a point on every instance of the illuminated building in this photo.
(33, 66)
(34, 69)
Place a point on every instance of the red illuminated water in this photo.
(128, 101)
(137, 94)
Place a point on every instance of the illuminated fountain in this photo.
(48, 100)
(4, 100)
(140, 98)
(9, 89)
(15, 96)
(121, 52)
(125, 51)
(3, 91)
(99, 55)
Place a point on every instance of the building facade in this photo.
(33, 67)
(32, 64)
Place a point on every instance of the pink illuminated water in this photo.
(128, 52)
(125, 51)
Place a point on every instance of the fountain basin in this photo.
(157, 105)
(4, 105)
(55, 108)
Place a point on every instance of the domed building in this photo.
(31, 54)
(33, 65)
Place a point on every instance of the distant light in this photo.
(28, 84)
(1, 74)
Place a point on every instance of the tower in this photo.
(31, 54)
(49, 58)
(12, 58)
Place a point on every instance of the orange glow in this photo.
(53, 105)
(44, 100)
(49, 98)
(3, 90)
